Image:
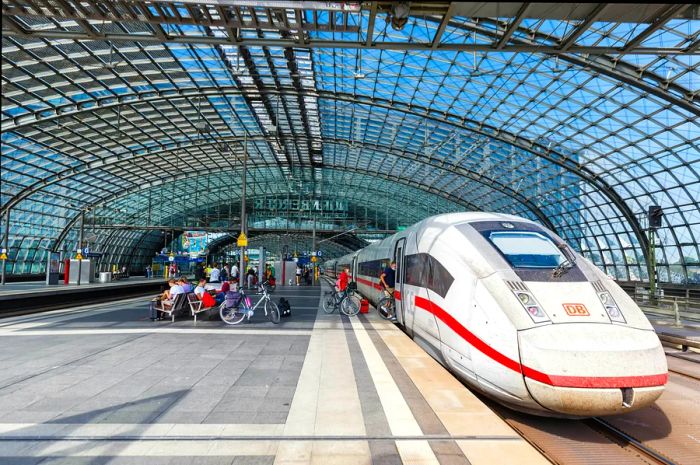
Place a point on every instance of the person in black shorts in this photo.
(388, 279)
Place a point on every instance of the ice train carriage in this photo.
(516, 314)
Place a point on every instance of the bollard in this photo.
(676, 312)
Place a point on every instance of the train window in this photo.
(527, 249)
(372, 268)
(425, 271)
(439, 279)
(415, 268)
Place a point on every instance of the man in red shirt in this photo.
(343, 279)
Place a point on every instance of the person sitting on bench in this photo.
(168, 296)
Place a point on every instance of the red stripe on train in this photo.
(552, 380)
(367, 282)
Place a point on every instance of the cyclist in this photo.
(388, 280)
(343, 280)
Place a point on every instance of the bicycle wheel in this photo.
(350, 304)
(329, 303)
(273, 312)
(385, 307)
(231, 316)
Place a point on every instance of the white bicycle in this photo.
(236, 314)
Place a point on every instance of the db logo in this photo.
(576, 309)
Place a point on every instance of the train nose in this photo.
(584, 370)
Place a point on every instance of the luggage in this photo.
(284, 307)
(153, 309)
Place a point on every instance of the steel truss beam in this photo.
(320, 43)
(536, 149)
(175, 177)
(403, 154)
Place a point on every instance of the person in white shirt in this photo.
(234, 272)
(201, 288)
(215, 273)
(168, 296)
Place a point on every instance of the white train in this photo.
(515, 313)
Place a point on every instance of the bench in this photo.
(179, 305)
(196, 305)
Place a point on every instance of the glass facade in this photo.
(578, 125)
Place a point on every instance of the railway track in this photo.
(624, 440)
(665, 433)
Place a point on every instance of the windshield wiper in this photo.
(568, 263)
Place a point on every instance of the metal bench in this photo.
(195, 305)
(179, 305)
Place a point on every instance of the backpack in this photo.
(285, 309)
(207, 300)
(233, 299)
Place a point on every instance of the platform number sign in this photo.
(576, 310)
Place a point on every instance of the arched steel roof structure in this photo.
(578, 116)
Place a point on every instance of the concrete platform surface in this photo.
(102, 384)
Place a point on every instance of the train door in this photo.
(353, 270)
(399, 252)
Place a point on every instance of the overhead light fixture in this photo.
(399, 15)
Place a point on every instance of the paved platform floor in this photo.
(102, 384)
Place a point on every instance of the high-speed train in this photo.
(515, 313)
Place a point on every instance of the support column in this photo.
(244, 222)
(80, 245)
(652, 264)
(5, 244)
(313, 252)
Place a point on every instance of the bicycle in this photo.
(235, 315)
(386, 307)
(345, 301)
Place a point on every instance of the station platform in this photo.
(25, 297)
(102, 384)
(34, 287)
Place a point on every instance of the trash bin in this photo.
(105, 276)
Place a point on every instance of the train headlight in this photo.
(611, 307)
(532, 307)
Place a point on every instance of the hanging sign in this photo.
(242, 240)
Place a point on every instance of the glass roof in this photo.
(579, 118)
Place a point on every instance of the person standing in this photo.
(388, 279)
(343, 280)
(215, 274)
(250, 275)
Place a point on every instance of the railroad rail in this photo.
(626, 441)
(600, 441)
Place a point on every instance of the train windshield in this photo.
(526, 249)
